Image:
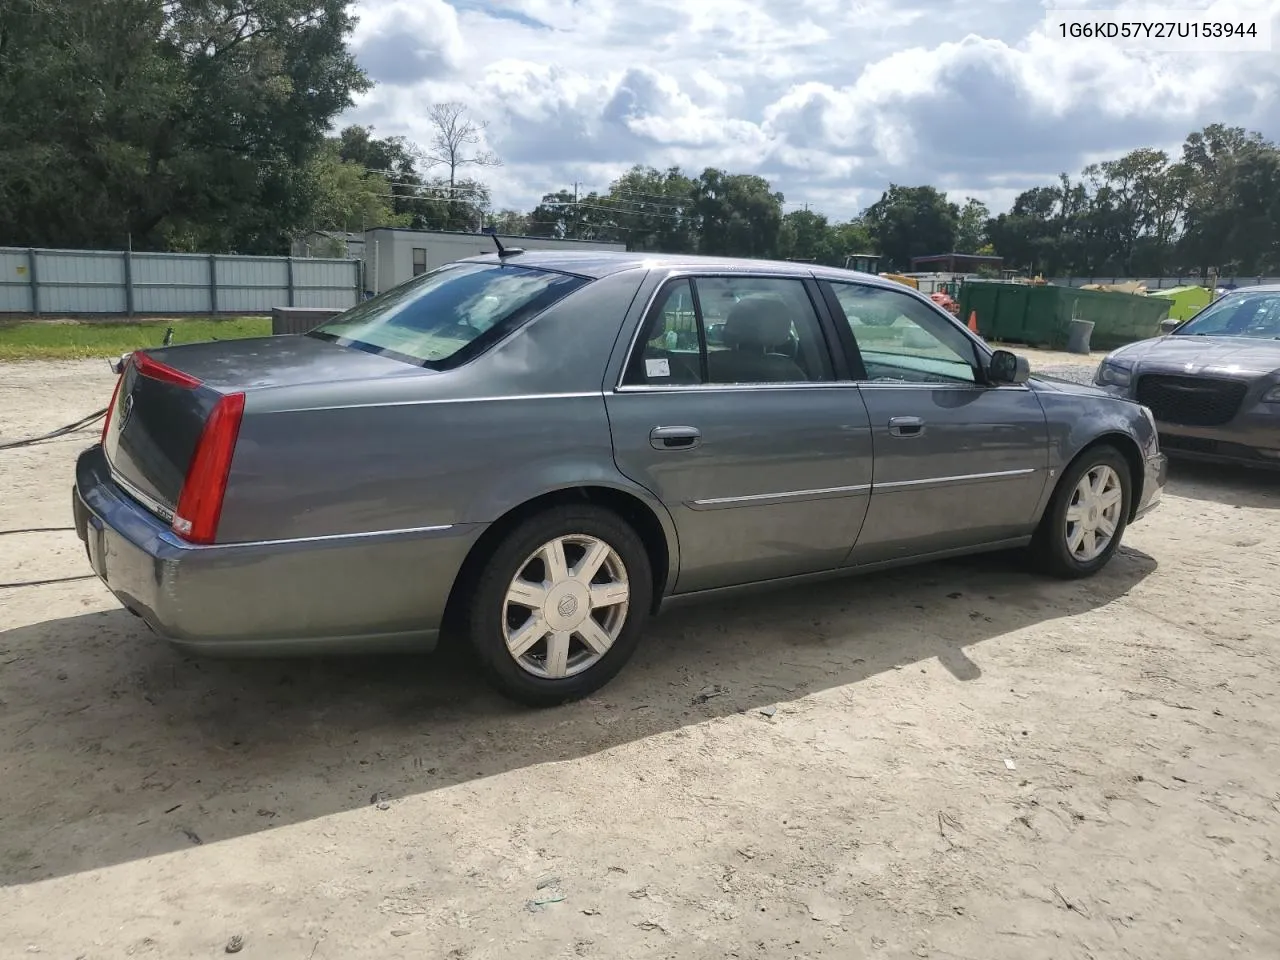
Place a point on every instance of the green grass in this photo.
(72, 340)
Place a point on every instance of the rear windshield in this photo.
(1255, 315)
(448, 316)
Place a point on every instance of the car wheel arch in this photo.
(1128, 448)
(656, 531)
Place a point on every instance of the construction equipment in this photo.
(905, 281)
(946, 302)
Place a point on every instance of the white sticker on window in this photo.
(657, 368)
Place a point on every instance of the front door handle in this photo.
(905, 426)
(674, 438)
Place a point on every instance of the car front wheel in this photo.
(561, 604)
(1082, 527)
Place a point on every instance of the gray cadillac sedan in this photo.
(1213, 382)
(541, 449)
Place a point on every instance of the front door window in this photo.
(902, 339)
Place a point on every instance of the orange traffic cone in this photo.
(973, 320)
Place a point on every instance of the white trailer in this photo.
(393, 255)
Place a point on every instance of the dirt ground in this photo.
(955, 761)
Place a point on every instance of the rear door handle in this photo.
(674, 438)
(905, 426)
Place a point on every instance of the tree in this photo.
(558, 215)
(850, 238)
(455, 137)
(1048, 230)
(169, 122)
(510, 222)
(349, 197)
(1233, 209)
(911, 222)
(739, 215)
(806, 235)
(392, 158)
(653, 209)
(1144, 213)
(1150, 197)
(971, 227)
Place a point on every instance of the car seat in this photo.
(755, 332)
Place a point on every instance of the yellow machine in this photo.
(870, 263)
(911, 282)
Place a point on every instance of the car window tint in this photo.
(671, 351)
(902, 339)
(761, 330)
(448, 315)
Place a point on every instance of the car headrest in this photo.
(757, 322)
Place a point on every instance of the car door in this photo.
(958, 463)
(735, 411)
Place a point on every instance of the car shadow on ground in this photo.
(1236, 486)
(116, 747)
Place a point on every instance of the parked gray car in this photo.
(1213, 382)
(542, 449)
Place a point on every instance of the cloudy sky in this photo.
(831, 100)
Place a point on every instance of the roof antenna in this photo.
(503, 252)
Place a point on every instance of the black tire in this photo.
(1049, 547)
(488, 609)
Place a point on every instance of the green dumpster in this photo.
(1040, 316)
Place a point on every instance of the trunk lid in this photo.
(154, 426)
(259, 362)
(165, 397)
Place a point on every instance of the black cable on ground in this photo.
(41, 583)
(54, 434)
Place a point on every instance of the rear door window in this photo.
(731, 330)
(671, 352)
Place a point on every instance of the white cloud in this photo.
(830, 99)
(406, 41)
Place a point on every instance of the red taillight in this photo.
(200, 503)
(149, 367)
(111, 408)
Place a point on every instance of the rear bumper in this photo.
(297, 597)
(1155, 475)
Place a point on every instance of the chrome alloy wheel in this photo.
(566, 606)
(1093, 515)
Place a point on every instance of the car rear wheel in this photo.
(1087, 517)
(560, 606)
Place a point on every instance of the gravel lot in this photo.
(959, 760)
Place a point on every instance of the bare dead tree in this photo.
(454, 138)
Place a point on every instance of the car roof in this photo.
(1259, 288)
(602, 263)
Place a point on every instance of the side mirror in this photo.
(1168, 326)
(1006, 367)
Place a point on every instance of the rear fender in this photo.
(558, 475)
